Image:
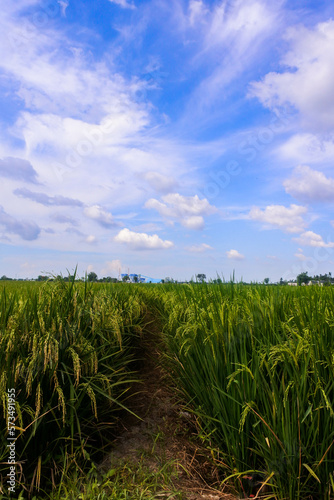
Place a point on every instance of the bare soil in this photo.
(164, 431)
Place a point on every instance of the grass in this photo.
(126, 481)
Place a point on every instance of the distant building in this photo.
(292, 284)
(313, 282)
(134, 278)
(139, 278)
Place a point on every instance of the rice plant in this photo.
(257, 363)
(65, 348)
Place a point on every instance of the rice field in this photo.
(255, 363)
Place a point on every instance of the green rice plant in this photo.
(66, 349)
(257, 363)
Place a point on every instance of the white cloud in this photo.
(234, 255)
(308, 83)
(123, 3)
(200, 248)
(113, 267)
(308, 148)
(300, 256)
(142, 241)
(245, 22)
(91, 239)
(79, 118)
(100, 215)
(189, 210)
(63, 5)
(159, 182)
(193, 222)
(311, 239)
(53, 74)
(309, 185)
(197, 11)
(81, 139)
(238, 32)
(278, 216)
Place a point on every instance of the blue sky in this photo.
(167, 137)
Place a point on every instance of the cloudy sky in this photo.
(167, 137)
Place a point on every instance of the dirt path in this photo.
(165, 431)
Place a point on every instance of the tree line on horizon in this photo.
(302, 278)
